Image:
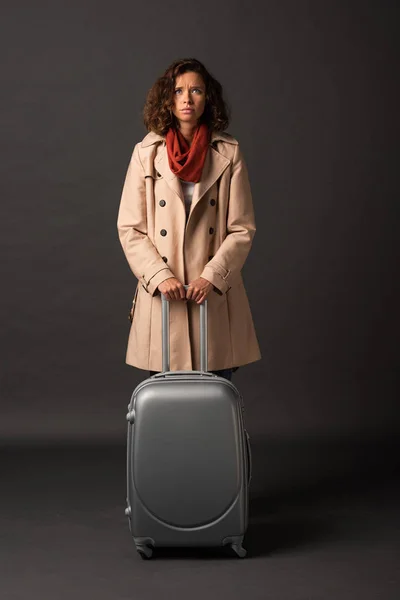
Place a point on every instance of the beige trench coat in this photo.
(214, 244)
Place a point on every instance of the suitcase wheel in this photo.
(234, 542)
(145, 551)
(240, 551)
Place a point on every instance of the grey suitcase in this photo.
(188, 457)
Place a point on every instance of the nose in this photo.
(188, 99)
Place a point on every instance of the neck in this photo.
(187, 130)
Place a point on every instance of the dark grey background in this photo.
(312, 86)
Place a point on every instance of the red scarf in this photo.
(187, 161)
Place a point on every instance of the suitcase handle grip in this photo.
(165, 334)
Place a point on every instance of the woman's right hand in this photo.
(172, 289)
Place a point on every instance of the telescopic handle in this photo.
(165, 333)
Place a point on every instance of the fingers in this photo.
(172, 293)
(174, 290)
(182, 293)
(196, 294)
(179, 291)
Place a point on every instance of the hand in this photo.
(172, 288)
(199, 289)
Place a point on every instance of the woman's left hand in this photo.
(198, 289)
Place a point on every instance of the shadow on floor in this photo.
(302, 493)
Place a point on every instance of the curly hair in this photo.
(157, 111)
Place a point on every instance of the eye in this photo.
(193, 89)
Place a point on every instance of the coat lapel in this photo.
(162, 166)
(214, 165)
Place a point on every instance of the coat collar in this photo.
(153, 138)
(214, 165)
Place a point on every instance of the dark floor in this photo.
(324, 524)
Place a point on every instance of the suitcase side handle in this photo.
(165, 333)
(249, 457)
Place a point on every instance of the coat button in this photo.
(212, 202)
(164, 258)
(162, 203)
(211, 230)
(163, 232)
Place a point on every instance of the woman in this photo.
(186, 218)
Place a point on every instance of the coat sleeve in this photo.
(230, 257)
(143, 258)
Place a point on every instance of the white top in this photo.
(187, 188)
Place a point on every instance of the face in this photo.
(189, 92)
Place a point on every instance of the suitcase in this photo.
(188, 457)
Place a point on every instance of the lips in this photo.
(187, 110)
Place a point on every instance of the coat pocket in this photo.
(132, 311)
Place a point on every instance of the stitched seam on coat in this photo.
(150, 327)
(233, 162)
(230, 327)
(140, 160)
(162, 269)
(134, 302)
(224, 278)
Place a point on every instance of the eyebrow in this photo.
(179, 87)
